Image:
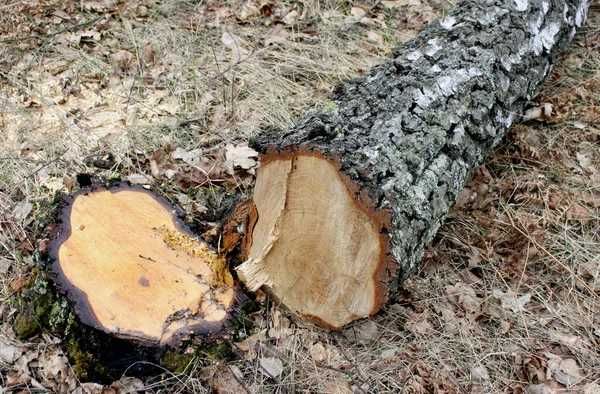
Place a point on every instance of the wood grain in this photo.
(134, 271)
(313, 247)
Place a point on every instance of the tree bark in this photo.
(405, 138)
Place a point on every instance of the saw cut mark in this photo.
(312, 247)
(134, 271)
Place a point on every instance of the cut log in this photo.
(314, 245)
(133, 270)
(348, 199)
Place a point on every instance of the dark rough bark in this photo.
(411, 131)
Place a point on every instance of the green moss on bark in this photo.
(84, 364)
(25, 325)
(218, 351)
(176, 361)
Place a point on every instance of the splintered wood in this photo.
(313, 247)
(132, 270)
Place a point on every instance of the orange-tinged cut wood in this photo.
(134, 271)
(313, 246)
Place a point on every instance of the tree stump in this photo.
(348, 199)
(133, 270)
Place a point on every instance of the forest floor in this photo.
(165, 93)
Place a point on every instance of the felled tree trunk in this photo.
(347, 199)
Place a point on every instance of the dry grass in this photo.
(528, 224)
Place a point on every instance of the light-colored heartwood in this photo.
(312, 247)
(133, 271)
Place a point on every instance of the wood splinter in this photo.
(134, 271)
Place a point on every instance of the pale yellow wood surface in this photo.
(139, 272)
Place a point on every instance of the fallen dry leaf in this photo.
(21, 367)
(22, 211)
(142, 11)
(249, 10)
(375, 38)
(149, 53)
(364, 333)
(479, 374)
(464, 296)
(389, 353)
(358, 12)
(123, 61)
(278, 35)
(591, 388)
(571, 341)
(240, 156)
(585, 160)
(105, 122)
(452, 323)
(591, 270)
(139, 179)
(91, 388)
(338, 386)
(272, 366)
(418, 324)
(392, 4)
(550, 387)
(223, 380)
(250, 344)
(564, 370)
(291, 18)
(99, 5)
(510, 300)
(318, 352)
(9, 352)
(191, 157)
(128, 385)
(168, 105)
(578, 212)
(19, 282)
(326, 354)
(234, 44)
(55, 371)
(69, 183)
(155, 169)
(4, 265)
